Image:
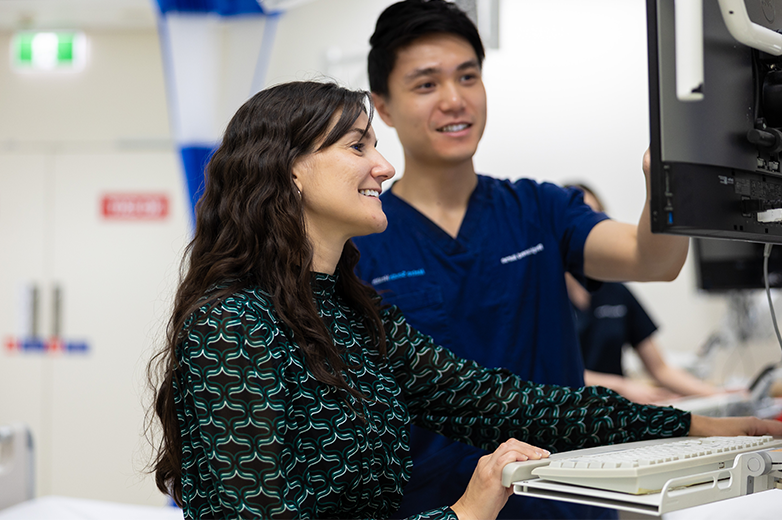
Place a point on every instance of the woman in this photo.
(287, 389)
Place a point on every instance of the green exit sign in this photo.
(52, 50)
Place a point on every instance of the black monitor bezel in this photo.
(698, 200)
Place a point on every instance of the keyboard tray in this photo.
(678, 493)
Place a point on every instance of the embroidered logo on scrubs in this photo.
(522, 254)
(610, 311)
(396, 276)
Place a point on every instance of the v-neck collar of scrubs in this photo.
(467, 231)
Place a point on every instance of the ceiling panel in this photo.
(61, 14)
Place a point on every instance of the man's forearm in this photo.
(663, 255)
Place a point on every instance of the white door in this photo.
(106, 285)
(23, 219)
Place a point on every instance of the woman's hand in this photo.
(727, 426)
(485, 495)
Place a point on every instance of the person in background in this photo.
(610, 318)
(477, 262)
(286, 389)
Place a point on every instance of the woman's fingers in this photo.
(521, 449)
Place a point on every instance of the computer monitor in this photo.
(730, 265)
(715, 166)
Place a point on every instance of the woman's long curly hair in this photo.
(250, 232)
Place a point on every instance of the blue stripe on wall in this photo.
(221, 7)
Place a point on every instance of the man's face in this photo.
(436, 100)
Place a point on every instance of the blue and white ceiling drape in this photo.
(215, 54)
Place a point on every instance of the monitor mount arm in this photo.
(734, 12)
(689, 41)
(766, 134)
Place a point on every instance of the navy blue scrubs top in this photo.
(614, 319)
(496, 294)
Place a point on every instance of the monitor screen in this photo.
(715, 150)
(732, 265)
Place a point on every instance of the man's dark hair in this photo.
(403, 22)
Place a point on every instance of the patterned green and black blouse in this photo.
(261, 437)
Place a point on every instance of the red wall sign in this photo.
(134, 206)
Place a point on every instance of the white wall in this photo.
(119, 98)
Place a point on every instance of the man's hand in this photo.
(647, 165)
(728, 426)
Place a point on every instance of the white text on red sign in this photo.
(134, 206)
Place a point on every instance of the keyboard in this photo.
(639, 467)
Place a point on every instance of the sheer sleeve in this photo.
(484, 407)
(232, 412)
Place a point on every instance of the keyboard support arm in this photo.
(751, 473)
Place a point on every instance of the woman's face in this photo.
(340, 186)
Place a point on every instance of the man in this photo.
(476, 262)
